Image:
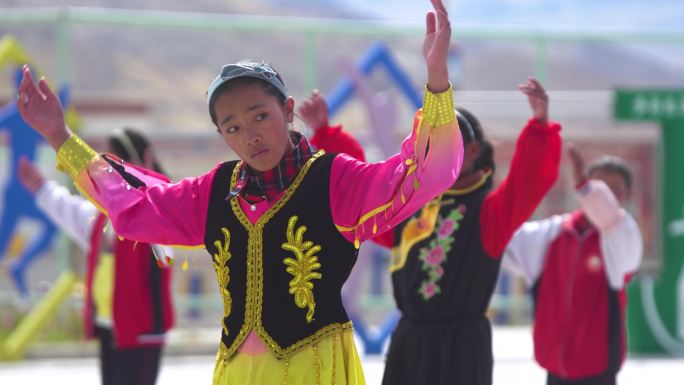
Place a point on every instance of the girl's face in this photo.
(254, 124)
(471, 151)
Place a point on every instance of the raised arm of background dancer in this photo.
(72, 214)
(367, 199)
(314, 112)
(533, 171)
(621, 243)
(142, 205)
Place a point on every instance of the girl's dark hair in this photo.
(135, 139)
(485, 161)
(612, 164)
(245, 81)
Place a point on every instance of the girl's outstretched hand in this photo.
(41, 109)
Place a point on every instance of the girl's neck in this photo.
(468, 180)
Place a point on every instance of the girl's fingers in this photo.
(27, 74)
(21, 106)
(430, 22)
(27, 81)
(438, 5)
(45, 90)
(525, 90)
(29, 88)
(33, 105)
(23, 87)
(442, 18)
(535, 82)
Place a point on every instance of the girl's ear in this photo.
(289, 109)
(473, 148)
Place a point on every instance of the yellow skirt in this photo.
(332, 360)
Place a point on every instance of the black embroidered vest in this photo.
(445, 274)
(282, 276)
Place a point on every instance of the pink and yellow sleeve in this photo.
(370, 198)
(142, 205)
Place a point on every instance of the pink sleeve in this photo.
(157, 212)
(367, 199)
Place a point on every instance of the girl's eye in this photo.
(232, 129)
(261, 117)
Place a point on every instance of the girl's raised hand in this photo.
(41, 109)
(436, 47)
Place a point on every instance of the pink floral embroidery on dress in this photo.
(446, 229)
(435, 254)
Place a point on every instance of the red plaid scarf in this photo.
(256, 186)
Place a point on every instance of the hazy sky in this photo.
(594, 13)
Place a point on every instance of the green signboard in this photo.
(649, 105)
(655, 314)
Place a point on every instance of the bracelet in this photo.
(438, 108)
(74, 156)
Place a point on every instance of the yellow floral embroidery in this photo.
(302, 268)
(223, 272)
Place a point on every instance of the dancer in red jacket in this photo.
(577, 265)
(128, 304)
